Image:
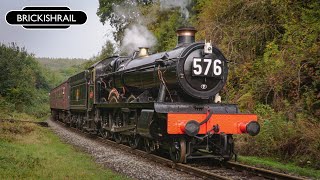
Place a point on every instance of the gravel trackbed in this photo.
(118, 160)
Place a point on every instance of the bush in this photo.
(297, 141)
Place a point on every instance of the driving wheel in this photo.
(178, 151)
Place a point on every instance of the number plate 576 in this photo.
(206, 67)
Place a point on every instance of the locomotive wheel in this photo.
(73, 121)
(148, 145)
(228, 147)
(178, 151)
(117, 137)
(78, 123)
(108, 135)
(68, 120)
(134, 141)
(102, 132)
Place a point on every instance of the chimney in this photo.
(143, 52)
(186, 35)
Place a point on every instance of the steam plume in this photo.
(136, 36)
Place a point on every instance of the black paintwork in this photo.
(140, 74)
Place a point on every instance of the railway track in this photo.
(230, 170)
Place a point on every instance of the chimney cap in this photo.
(186, 31)
(143, 52)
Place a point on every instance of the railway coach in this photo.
(59, 101)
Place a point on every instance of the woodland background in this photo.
(273, 48)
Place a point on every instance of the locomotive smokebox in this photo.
(186, 35)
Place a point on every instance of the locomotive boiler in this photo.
(167, 101)
(196, 70)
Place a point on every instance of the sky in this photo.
(78, 41)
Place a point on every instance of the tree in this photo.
(107, 50)
(20, 76)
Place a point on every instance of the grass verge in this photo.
(33, 152)
(273, 164)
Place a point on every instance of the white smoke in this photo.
(137, 36)
(183, 4)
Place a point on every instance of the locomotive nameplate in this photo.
(207, 67)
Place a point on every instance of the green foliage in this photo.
(273, 48)
(20, 76)
(25, 81)
(165, 30)
(24, 84)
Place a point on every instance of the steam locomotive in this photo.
(166, 101)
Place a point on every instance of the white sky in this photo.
(78, 41)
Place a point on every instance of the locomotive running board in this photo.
(127, 105)
(168, 107)
(196, 108)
